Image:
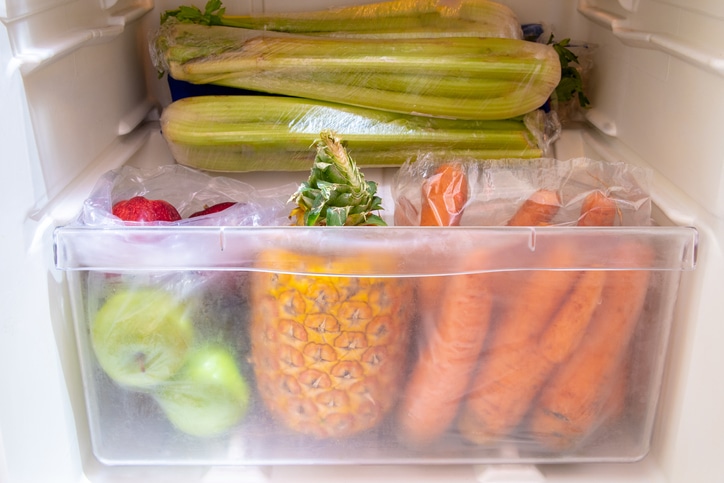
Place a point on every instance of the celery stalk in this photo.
(496, 58)
(328, 69)
(515, 103)
(246, 133)
(396, 18)
(239, 158)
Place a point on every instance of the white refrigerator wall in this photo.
(78, 96)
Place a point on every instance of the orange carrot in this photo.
(598, 210)
(565, 331)
(525, 346)
(444, 195)
(572, 402)
(443, 367)
(539, 209)
(440, 376)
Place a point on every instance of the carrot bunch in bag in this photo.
(496, 342)
(497, 189)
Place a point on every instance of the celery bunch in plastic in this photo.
(390, 19)
(455, 77)
(257, 133)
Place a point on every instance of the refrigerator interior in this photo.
(80, 97)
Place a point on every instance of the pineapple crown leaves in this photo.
(336, 193)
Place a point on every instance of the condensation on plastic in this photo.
(465, 78)
(264, 133)
(497, 188)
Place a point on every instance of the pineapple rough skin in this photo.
(329, 351)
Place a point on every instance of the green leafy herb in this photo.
(212, 14)
(571, 84)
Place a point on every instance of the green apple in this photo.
(141, 336)
(208, 396)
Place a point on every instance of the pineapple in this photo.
(329, 351)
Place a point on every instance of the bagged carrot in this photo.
(509, 373)
(538, 210)
(456, 313)
(443, 198)
(574, 401)
(444, 195)
(598, 209)
(442, 369)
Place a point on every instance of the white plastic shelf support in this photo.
(630, 5)
(663, 42)
(236, 474)
(509, 473)
(30, 56)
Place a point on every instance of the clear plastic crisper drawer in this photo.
(292, 345)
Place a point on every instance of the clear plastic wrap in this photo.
(570, 108)
(456, 77)
(263, 133)
(497, 189)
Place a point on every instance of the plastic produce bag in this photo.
(189, 191)
(167, 344)
(535, 351)
(569, 101)
(497, 189)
